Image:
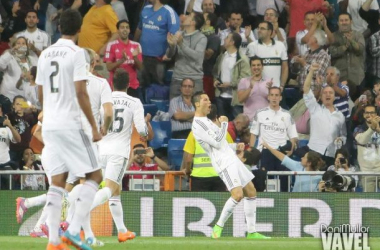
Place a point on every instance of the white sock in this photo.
(73, 196)
(83, 203)
(101, 197)
(87, 227)
(228, 209)
(41, 220)
(35, 201)
(250, 213)
(117, 213)
(53, 209)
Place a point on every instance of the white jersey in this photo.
(100, 93)
(273, 127)
(59, 66)
(40, 38)
(127, 111)
(273, 55)
(213, 141)
(5, 137)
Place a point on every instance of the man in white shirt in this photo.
(275, 126)
(38, 40)
(273, 53)
(62, 74)
(114, 149)
(303, 36)
(231, 170)
(246, 33)
(279, 34)
(327, 124)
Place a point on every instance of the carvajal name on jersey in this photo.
(56, 53)
(121, 102)
(343, 237)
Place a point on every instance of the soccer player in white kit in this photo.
(114, 149)
(62, 75)
(226, 163)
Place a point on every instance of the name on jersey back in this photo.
(56, 53)
(122, 102)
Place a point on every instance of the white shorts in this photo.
(114, 166)
(68, 151)
(236, 175)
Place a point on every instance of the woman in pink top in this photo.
(253, 90)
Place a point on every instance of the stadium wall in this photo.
(180, 214)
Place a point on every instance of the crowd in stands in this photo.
(282, 71)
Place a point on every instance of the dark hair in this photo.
(253, 157)
(120, 22)
(236, 12)
(33, 72)
(308, 13)
(139, 145)
(189, 80)
(329, 175)
(255, 58)
(275, 11)
(376, 81)
(237, 39)
(18, 97)
(213, 18)
(370, 105)
(196, 97)
(70, 22)
(199, 20)
(345, 154)
(107, 1)
(345, 13)
(120, 79)
(213, 113)
(31, 10)
(315, 160)
(269, 25)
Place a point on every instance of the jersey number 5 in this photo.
(119, 119)
(52, 75)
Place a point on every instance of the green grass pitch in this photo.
(188, 243)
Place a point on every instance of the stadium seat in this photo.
(162, 105)
(151, 109)
(156, 92)
(162, 134)
(168, 76)
(175, 153)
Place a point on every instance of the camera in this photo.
(340, 183)
(140, 151)
(2, 119)
(342, 161)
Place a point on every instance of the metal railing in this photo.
(170, 184)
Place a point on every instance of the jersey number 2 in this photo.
(52, 75)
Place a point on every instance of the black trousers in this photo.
(207, 184)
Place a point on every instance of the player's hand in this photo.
(103, 130)
(223, 119)
(96, 135)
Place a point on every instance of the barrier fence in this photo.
(179, 214)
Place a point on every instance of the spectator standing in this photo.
(271, 15)
(324, 136)
(315, 54)
(187, 48)
(341, 91)
(38, 40)
(211, 53)
(230, 67)
(15, 64)
(253, 90)
(347, 54)
(367, 137)
(374, 55)
(208, 6)
(126, 54)
(238, 127)
(118, 7)
(99, 27)
(303, 36)
(235, 22)
(273, 53)
(182, 111)
(156, 21)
